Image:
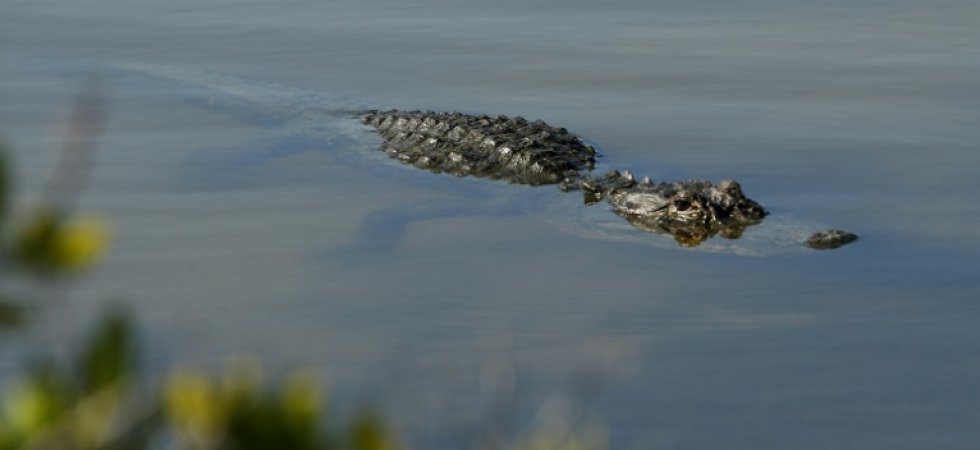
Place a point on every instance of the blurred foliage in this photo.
(45, 244)
(51, 406)
(4, 188)
(235, 412)
(51, 244)
(587, 438)
(99, 403)
(99, 400)
(88, 405)
(11, 314)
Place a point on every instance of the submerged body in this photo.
(830, 239)
(536, 153)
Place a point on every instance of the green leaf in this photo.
(32, 245)
(11, 314)
(368, 432)
(109, 353)
(4, 186)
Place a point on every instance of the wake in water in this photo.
(291, 121)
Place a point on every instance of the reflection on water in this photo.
(241, 226)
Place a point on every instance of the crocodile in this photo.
(509, 149)
(535, 153)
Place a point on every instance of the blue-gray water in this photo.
(240, 227)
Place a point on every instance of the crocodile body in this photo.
(535, 153)
(514, 150)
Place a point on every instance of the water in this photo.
(238, 230)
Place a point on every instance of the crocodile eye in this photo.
(682, 205)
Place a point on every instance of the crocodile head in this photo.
(690, 211)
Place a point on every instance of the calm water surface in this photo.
(243, 224)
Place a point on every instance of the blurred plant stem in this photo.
(74, 167)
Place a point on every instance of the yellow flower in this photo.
(78, 243)
(50, 242)
(27, 407)
(92, 417)
(300, 395)
(193, 405)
